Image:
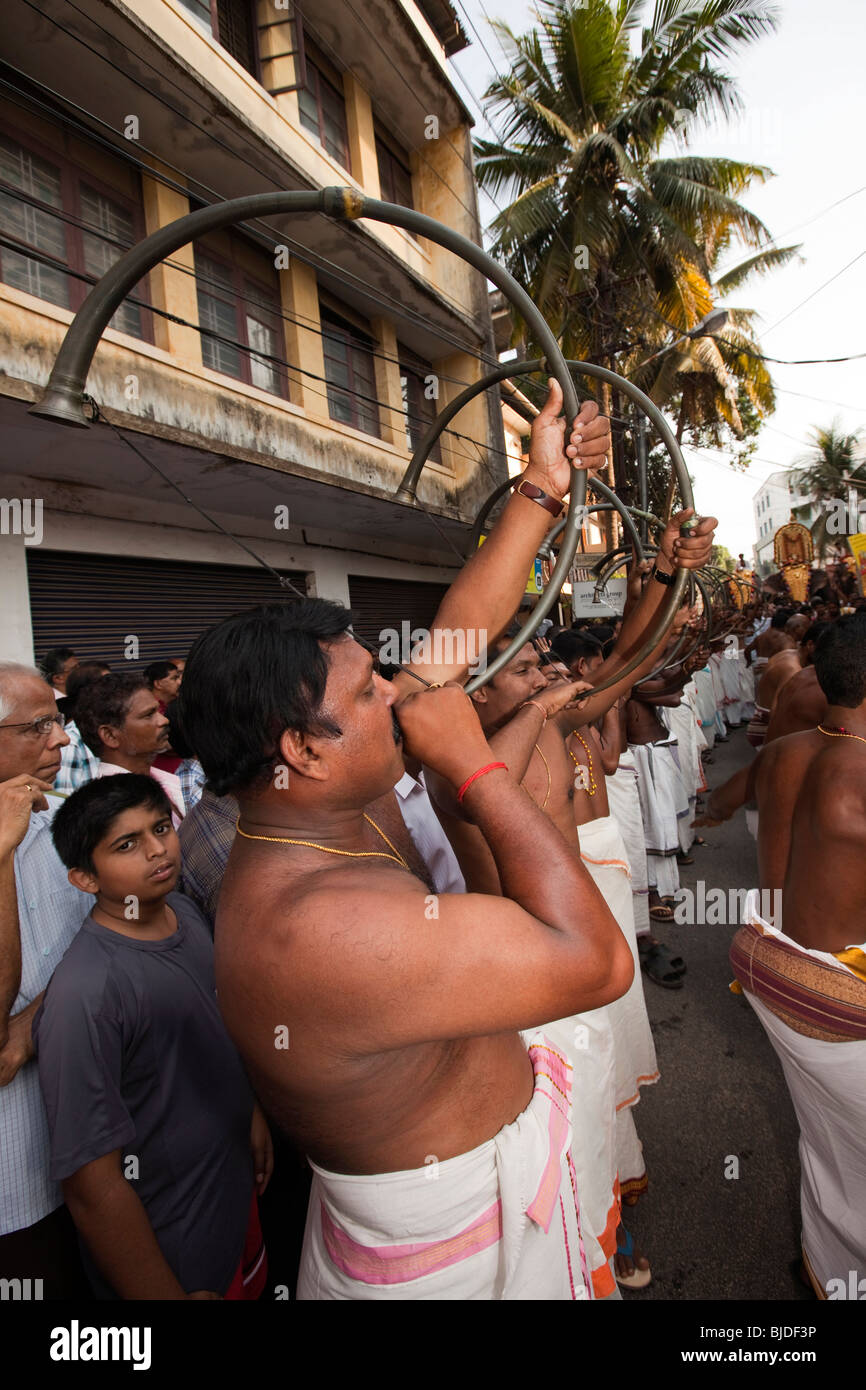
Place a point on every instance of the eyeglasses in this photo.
(39, 728)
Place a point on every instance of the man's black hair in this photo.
(250, 678)
(571, 646)
(840, 661)
(85, 673)
(86, 817)
(815, 631)
(781, 617)
(178, 741)
(106, 701)
(51, 664)
(158, 670)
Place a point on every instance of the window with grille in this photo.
(395, 179)
(322, 105)
(419, 385)
(240, 320)
(231, 23)
(350, 374)
(57, 215)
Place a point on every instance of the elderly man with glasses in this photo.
(40, 913)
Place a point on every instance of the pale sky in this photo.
(803, 92)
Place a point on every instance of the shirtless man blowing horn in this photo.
(379, 1023)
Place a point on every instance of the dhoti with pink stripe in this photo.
(613, 1055)
(499, 1222)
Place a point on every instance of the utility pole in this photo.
(640, 441)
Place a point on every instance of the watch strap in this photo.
(536, 494)
(667, 580)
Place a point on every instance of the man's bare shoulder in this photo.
(786, 751)
(836, 780)
(351, 894)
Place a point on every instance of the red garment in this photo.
(252, 1272)
(168, 762)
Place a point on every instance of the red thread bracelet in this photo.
(491, 767)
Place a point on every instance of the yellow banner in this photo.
(858, 550)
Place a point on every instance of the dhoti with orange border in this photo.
(812, 1005)
(502, 1221)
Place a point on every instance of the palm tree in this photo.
(611, 240)
(828, 474)
(712, 382)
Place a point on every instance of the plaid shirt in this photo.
(206, 837)
(192, 779)
(77, 764)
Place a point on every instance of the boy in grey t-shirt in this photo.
(153, 1124)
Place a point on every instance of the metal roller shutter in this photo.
(386, 603)
(93, 603)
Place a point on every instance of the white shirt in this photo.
(169, 781)
(50, 912)
(427, 834)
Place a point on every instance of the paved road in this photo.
(721, 1096)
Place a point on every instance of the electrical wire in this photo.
(811, 296)
(282, 579)
(275, 310)
(796, 361)
(43, 258)
(178, 88)
(822, 400)
(798, 226)
(315, 261)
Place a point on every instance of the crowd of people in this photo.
(312, 964)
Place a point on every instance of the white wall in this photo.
(16, 633)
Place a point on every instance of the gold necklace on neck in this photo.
(547, 770)
(839, 732)
(593, 786)
(326, 849)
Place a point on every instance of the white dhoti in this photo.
(747, 686)
(613, 1055)
(706, 700)
(661, 802)
(681, 722)
(812, 1006)
(720, 669)
(729, 670)
(502, 1221)
(624, 801)
(604, 854)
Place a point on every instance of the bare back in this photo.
(780, 769)
(780, 669)
(824, 901)
(800, 704)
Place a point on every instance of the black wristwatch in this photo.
(666, 579)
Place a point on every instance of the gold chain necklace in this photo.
(839, 732)
(326, 849)
(593, 787)
(547, 770)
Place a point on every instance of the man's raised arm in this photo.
(477, 965)
(486, 594)
(675, 552)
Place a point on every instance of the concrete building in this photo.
(773, 504)
(276, 374)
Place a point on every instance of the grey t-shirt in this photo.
(133, 1055)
